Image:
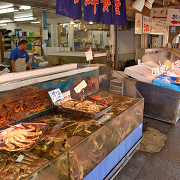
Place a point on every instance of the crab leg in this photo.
(31, 155)
(8, 144)
(23, 139)
(3, 163)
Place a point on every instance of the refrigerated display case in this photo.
(161, 103)
(73, 146)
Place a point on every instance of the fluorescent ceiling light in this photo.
(3, 24)
(4, 5)
(5, 21)
(25, 7)
(35, 22)
(22, 14)
(25, 19)
(8, 10)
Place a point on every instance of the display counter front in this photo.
(40, 136)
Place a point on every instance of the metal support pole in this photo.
(116, 49)
(40, 26)
(72, 37)
(111, 43)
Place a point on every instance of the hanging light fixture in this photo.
(138, 5)
(149, 3)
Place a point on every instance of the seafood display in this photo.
(21, 137)
(22, 103)
(86, 106)
(20, 165)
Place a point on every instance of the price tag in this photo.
(5, 71)
(80, 86)
(67, 96)
(88, 55)
(155, 71)
(56, 95)
(20, 158)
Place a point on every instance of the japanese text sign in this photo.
(147, 25)
(80, 86)
(173, 18)
(55, 95)
(104, 11)
(5, 71)
(159, 13)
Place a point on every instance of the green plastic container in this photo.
(30, 33)
(7, 61)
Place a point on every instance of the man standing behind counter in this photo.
(19, 57)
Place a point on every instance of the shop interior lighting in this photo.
(4, 5)
(138, 5)
(149, 3)
(3, 24)
(5, 21)
(23, 14)
(90, 22)
(85, 30)
(25, 7)
(25, 19)
(8, 10)
(35, 22)
(72, 22)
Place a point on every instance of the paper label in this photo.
(56, 95)
(155, 71)
(88, 55)
(80, 86)
(20, 158)
(67, 96)
(5, 71)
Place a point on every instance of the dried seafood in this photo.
(21, 137)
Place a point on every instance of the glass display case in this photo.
(76, 143)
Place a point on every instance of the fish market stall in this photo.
(92, 127)
(161, 91)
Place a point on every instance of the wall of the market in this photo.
(24, 27)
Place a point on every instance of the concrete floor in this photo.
(163, 165)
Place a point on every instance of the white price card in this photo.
(5, 71)
(56, 95)
(88, 55)
(20, 158)
(155, 71)
(80, 86)
(67, 96)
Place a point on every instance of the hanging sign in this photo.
(119, 13)
(173, 18)
(106, 11)
(147, 25)
(138, 23)
(92, 10)
(55, 95)
(159, 13)
(69, 8)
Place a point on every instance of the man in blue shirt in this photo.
(19, 57)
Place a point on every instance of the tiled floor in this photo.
(163, 165)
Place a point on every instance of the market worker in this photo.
(19, 57)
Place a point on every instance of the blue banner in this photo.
(106, 11)
(69, 8)
(119, 13)
(92, 10)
